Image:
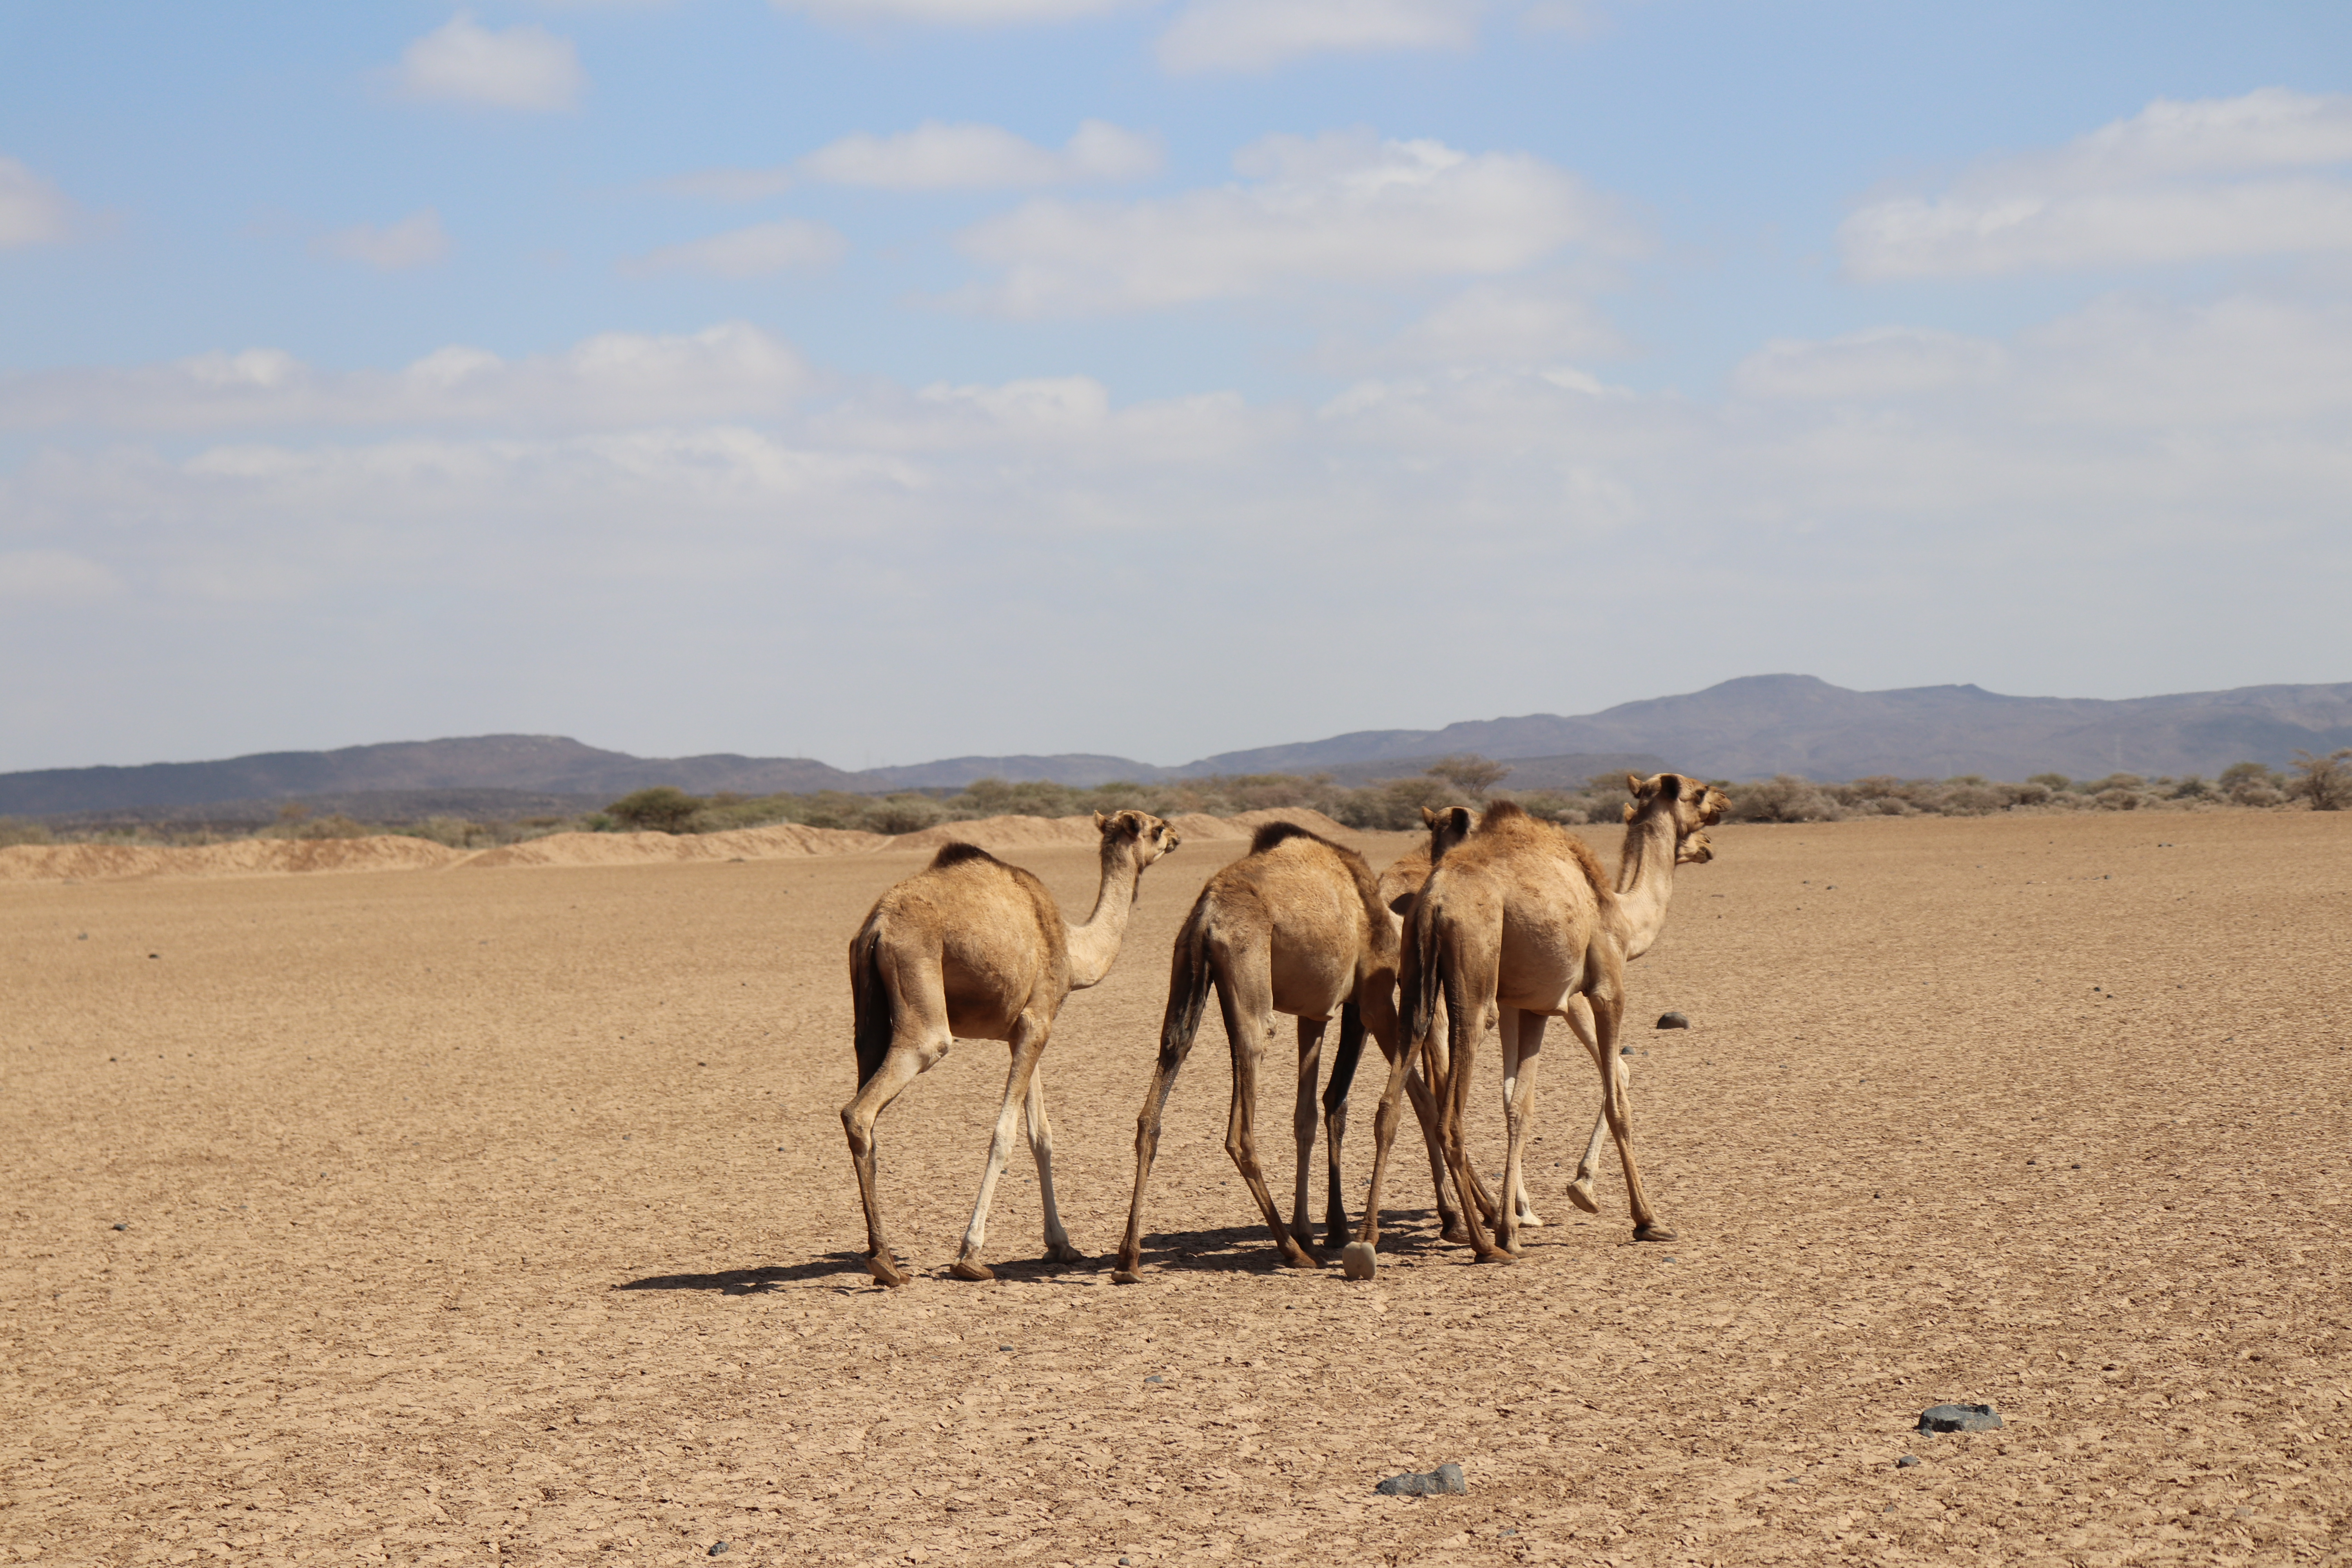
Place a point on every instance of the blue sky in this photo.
(885, 379)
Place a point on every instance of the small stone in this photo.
(1673, 1021)
(1626, 1052)
(122, 1227)
(1907, 1462)
(1155, 1377)
(1960, 1418)
(1004, 1347)
(1444, 1479)
(717, 1549)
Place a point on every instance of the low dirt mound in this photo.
(783, 841)
(243, 858)
(1245, 823)
(1001, 832)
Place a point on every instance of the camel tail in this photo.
(870, 997)
(1187, 982)
(1419, 972)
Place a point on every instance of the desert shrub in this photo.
(333, 825)
(2117, 799)
(664, 808)
(2326, 782)
(2192, 788)
(2051, 782)
(17, 830)
(1468, 771)
(904, 813)
(1784, 798)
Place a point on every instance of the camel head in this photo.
(1447, 828)
(1693, 850)
(1692, 804)
(1151, 837)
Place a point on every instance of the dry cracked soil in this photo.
(503, 1216)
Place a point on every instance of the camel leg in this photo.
(1041, 1148)
(1608, 1012)
(1302, 1124)
(1435, 1059)
(1580, 1190)
(1359, 1255)
(1247, 998)
(918, 1042)
(1516, 1028)
(1028, 1041)
(1455, 1098)
(1173, 1049)
(1335, 1121)
(1518, 1111)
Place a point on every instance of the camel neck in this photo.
(1645, 879)
(1094, 945)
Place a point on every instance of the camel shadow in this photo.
(1248, 1249)
(749, 1281)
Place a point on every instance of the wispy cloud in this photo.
(32, 210)
(934, 156)
(521, 66)
(783, 245)
(416, 240)
(1346, 208)
(2178, 182)
(1256, 35)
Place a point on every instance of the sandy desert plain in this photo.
(502, 1214)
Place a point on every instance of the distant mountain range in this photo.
(1752, 727)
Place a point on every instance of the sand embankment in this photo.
(390, 852)
(240, 858)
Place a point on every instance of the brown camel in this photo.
(973, 948)
(1521, 915)
(1298, 925)
(1693, 850)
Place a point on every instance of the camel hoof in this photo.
(1302, 1257)
(1457, 1233)
(1125, 1276)
(885, 1268)
(1063, 1253)
(1581, 1194)
(965, 1269)
(1652, 1233)
(1357, 1260)
(1531, 1220)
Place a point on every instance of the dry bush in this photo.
(17, 830)
(662, 808)
(1784, 798)
(2326, 782)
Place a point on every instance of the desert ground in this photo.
(501, 1214)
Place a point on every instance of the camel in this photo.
(973, 948)
(1298, 925)
(1521, 915)
(1400, 885)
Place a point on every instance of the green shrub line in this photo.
(2312, 783)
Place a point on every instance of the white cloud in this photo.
(416, 240)
(1891, 362)
(1535, 322)
(2067, 498)
(53, 576)
(1341, 209)
(2178, 182)
(754, 252)
(521, 66)
(1256, 35)
(614, 379)
(935, 156)
(956, 13)
(32, 210)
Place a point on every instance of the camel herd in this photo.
(1500, 920)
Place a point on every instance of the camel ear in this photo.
(1670, 785)
(1102, 822)
(1430, 818)
(1629, 811)
(1634, 786)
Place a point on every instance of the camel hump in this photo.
(957, 854)
(1270, 834)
